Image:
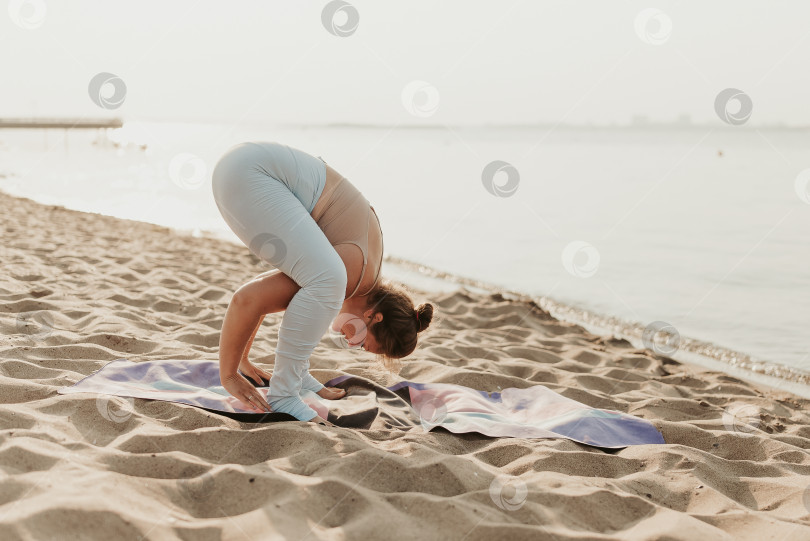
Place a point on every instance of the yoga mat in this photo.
(533, 412)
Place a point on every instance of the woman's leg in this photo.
(275, 225)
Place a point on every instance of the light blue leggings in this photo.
(265, 191)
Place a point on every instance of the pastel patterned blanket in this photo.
(532, 412)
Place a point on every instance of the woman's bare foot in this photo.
(332, 393)
(320, 420)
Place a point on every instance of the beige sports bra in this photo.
(334, 229)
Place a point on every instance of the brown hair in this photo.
(396, 333)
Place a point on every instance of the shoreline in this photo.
(694, 351)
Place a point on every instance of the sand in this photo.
(79, 290)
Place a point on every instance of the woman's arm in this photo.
(250, 341)
(267, 293)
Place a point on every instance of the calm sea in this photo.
(703, 229)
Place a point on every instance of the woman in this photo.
(322, 235)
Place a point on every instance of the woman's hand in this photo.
(332, 393)
(254, 372)
(241, 388)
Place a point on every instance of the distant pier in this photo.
(64, 123)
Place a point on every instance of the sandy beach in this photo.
(79, 290)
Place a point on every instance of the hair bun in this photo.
(424, 314)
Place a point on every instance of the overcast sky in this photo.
(516, 61)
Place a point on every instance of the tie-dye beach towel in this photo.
(533, 412)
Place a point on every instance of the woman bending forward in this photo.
(323, 237)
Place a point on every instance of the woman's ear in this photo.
(376, 318)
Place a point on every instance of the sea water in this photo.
(703, 228)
